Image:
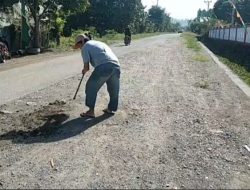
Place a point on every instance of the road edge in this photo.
(240, 83)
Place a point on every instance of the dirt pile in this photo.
(43, 121)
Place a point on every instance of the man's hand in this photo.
(85, 69)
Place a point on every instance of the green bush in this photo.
(111, 37)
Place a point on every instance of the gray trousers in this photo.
(108, 73)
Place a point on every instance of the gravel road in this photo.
(21, 76)
(181, 124)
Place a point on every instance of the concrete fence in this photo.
(236, 34)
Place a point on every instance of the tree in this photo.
(204, 21)
(204, 15)
(132, 13)
(244, 9)
(116, 15)
(5, 4)
(113, 14)
(59, 22)
(49, 7)
(174, 27)
(40, 9)
(223, 10)
(156, 15)
(138, 23)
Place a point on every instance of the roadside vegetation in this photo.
(110, 38)
(235, 56)
(55, 24)
(192, 43)
(237, 68)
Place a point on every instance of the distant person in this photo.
(127, 32)
(106, 70)
(127, 37)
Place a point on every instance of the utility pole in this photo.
(208, 3)
(157, 3)
(233, 11)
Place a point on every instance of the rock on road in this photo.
(181, 124)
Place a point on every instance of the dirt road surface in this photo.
(17, 80)
(180, 124)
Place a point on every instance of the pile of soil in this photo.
(43, 121)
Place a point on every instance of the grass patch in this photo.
(235, 55)
(238, 69)
(191, 41)
(200, 58)
(68, 42)
(202, 84)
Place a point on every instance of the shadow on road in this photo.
(53, 129)
(119, 45)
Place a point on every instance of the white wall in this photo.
(248, 35)
(213, 33)
(226, 35)
(232, 34)
(240, 35)
(217, 35)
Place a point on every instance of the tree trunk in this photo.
(37, 33)
(58, 41)
(36, 42)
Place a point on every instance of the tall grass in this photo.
(238, 69)
(235, 55)
(191, 41)
(110, 38)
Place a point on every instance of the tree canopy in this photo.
(156, 16)
(223, 10)
(103, 15)
(109, 15)
(40, 9)
(204, 21)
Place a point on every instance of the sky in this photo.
(179, 9)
